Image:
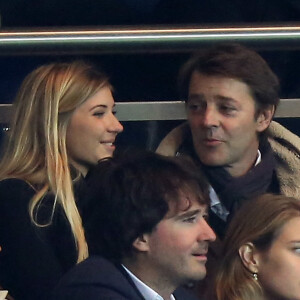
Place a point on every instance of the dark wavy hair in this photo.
(129, 195)
(237, 62)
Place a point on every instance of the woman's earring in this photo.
(255, 276)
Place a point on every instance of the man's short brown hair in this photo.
(237, 62)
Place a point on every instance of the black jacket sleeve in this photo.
(29, 267)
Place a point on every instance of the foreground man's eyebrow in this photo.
(188, 214)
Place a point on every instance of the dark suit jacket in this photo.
(98, 279)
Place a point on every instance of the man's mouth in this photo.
(211, 142)
(201, 256)
(201, 252)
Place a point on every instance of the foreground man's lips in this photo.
(200, 256)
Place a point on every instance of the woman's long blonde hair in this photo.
(259, 221)
(35, 149)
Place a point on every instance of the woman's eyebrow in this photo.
(98, 105)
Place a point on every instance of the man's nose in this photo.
(206, 233)
(210, 117)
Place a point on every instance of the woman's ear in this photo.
(250, 257)
(141, 243)
(264, 118)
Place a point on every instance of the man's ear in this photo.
(141, 243)
(249, 257)
(264, 118)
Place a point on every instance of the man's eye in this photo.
(190, 220)
(227, 108)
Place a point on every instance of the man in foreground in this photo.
(145, 224)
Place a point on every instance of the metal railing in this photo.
(143, 39)
(150, 40)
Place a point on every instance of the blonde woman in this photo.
(262, 252)
(63, 124)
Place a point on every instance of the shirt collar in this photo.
(144, 289)
(258, 159)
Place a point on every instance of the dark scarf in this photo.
(234, 191)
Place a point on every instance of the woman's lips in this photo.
(109, 145)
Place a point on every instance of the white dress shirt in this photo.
(144, 289)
